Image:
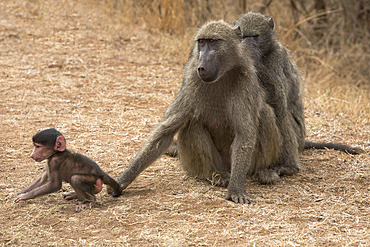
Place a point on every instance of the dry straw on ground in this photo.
(76, 66)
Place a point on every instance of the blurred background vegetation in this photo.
(326, 36)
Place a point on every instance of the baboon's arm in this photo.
(53, 184)
(243, 146)
(40, 180)
(158, 142)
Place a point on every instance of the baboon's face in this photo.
(258, 29)
(208, 62)
(216, 50)
(41, 152)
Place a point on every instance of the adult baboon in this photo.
(280, 78)
(224, 125)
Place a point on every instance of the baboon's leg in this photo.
(289, 159)
(84, 185)
(267, 150)
(199, 156)
(299, 127)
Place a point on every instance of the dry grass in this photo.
(104, 84)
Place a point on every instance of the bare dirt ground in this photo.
(64, 64)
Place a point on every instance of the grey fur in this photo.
(280, 77)
(225, 127)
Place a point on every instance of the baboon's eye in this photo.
(251, 36)
(213, 42)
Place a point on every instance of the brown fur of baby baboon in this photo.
(84, 175)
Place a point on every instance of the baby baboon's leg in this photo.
(85, 188)
(73, 195)
(199, 156)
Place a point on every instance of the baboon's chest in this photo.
(221, 134)
(212, 111)
(215, 121)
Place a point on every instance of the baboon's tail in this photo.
(173, 151)
(330, 145)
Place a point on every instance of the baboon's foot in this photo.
(82, 205)
(218, 179)
(172, 151)
(69, 195)
(266, 176)
(286, 171)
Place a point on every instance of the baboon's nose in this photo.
(200, 69)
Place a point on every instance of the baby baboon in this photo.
(280, 78)
(225, 127)
(81, 172)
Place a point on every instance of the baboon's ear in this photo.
(60, 144)
(271, 23)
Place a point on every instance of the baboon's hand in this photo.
(114, 192)
(21, 197)
(111, 191)
(238, 197)
(124, 180)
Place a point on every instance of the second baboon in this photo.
(280, 78)
(226, 130)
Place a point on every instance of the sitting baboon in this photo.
(225, 127)
(280, 77)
